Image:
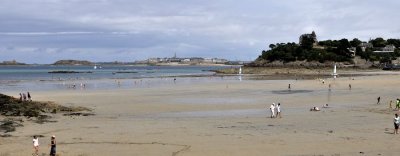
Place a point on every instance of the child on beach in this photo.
(36, 145)
(53, 146)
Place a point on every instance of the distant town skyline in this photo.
(44, 31)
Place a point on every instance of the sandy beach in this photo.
(223, 118)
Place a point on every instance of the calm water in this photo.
(15, 78)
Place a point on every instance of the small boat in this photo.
(95, 67)
(334, 71)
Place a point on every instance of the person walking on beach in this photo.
(24, 96)
(349, 86)
(278, 110)
(390, 104)
(289, 87)
(396, 121)
(36, 145)
(272, 108)
(379, 100)
(53, 146)
(397, 104)
(29, 97)
(20, 96)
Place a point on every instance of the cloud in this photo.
(105, 30)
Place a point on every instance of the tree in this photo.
(272, 46)
(355, 42)
(395, 42)
(378, 42)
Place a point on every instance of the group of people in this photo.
(74, 86)
(25, 97)
(52, 145)
(275, 108)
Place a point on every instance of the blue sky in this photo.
(43, 31)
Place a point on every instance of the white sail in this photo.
(334, 72)
(95, 67)
(240, 73)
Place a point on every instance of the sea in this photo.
(40, 78)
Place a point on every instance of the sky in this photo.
(44, 31)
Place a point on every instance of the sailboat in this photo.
(334, 72)
(95, 67)
(240, 73)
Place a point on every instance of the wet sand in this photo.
(222, 118)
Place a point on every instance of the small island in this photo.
(73, 62)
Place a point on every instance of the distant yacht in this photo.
(240, 73)
(334, 71)
(95, 67)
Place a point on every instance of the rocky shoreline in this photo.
(13, 112)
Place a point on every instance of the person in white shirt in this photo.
(272, 107)
(36, 145)
(278, 110)
(396, 121)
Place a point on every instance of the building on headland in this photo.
(12, 62)
(364, 46)
(312, 36)
(386, 49)
(186, 60)
(352, 50)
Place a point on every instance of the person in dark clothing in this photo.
(53, 146)
(29, 97)
(379, 100)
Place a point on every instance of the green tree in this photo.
(307, 42)
(355, 42)
(272, 46)
(378, 42)
(395, 42)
